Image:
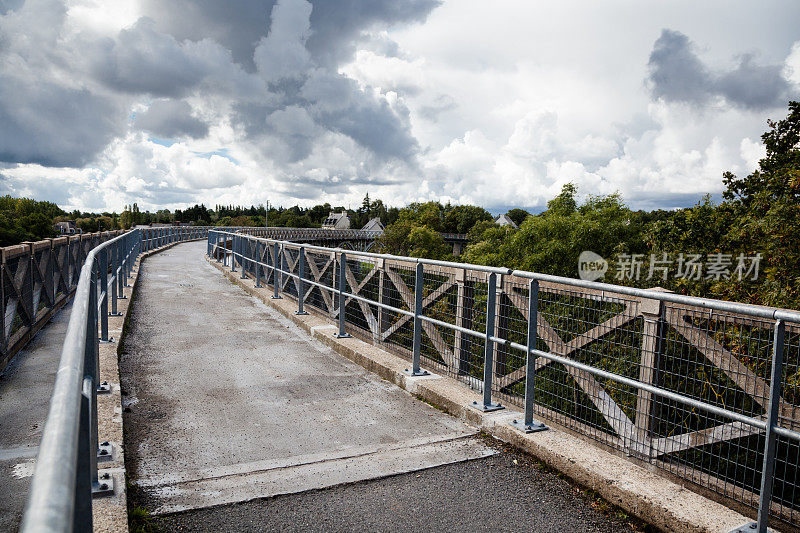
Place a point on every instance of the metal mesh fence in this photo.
(721, 359)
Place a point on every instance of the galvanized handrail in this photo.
(769, 425)
(66, 475)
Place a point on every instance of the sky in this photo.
(169, 103)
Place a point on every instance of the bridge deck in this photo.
(229, 401)
(226, 401)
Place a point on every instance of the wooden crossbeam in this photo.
(317, 274)
(693, 439)
(408, 298)
(438, 341)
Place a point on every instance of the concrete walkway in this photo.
(227, 401)
(26, 385)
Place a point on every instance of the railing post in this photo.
(234, 251)
(126, 259)
(488, 348)
(277, 276)
(82, 512)
(258, 264)
(342, 334)
(529, 425)
(301, 289)
(770, 439)
(115, 277)
(244, 245)
(419, 284)
(102, 257)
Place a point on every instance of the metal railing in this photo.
(36, 279)
(66, 476)
(704, 389)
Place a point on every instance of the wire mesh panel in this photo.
(363, 279)
(398, 292)
(321, 268)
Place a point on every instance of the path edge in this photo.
(110, 513)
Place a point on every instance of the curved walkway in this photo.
(227, 402)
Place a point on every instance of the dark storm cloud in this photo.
(754, 86)
(290, 98)
(170, 119)
(335, 24)
(44, 123)
(142, 60)
(368, 121)
(323, 102)
(678, 75)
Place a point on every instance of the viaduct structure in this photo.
(672, 391)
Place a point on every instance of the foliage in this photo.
(551, 242)
(518, 216)
(25, 219)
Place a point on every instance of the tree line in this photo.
(745, 247)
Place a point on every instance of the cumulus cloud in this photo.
(678, 75)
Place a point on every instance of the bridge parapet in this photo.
(681, 383)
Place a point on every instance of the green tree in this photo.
(461, 218)
(518, 216)
(765, 214)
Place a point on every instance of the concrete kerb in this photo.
(110, 513)
(651, 497)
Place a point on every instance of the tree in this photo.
(765, 214)
(518, 216)
(461, 218)
(551, 242)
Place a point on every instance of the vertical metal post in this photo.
(258, 263)
(103, 265)
(82, 514)
(301, 289)
(342, 334)
(92, 372)
(770, 441)
(488, 348)
(529, 425)
(114, 277)
(126, 268)
(244, 247)
(234, 250)
(277, 276)
(419, 279)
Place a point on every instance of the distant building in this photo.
(67, 228)
(374, 224)
(505, 220)
(337, 221)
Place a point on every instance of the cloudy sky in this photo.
(173, 102)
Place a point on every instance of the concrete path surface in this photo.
(227, 401)
(26, 385)
(507, 492)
